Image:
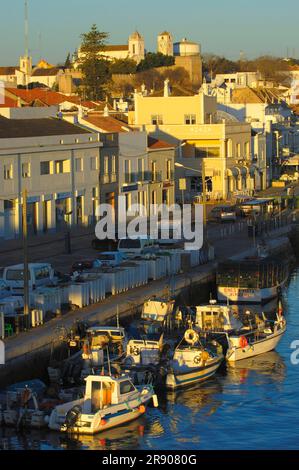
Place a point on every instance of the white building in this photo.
(58, 164)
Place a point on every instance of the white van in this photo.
(40, 274)
(137, 247)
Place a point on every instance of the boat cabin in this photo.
(104, 391)
(144, 352)
(157, 310)
(215, 317)
(101, 335)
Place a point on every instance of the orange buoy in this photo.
(103, 422)
(142, 409)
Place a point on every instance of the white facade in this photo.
(61, 175)
(165, 44)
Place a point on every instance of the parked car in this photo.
(137, 247)
(84, 265)
(40, 274)
(111, 258)
(223, 214)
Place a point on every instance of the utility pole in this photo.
(25, 253)
(204, 200)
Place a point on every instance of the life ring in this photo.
(243, 342)
(136, 351)
(197, 360)
(191, 337)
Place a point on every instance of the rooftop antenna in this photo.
(26, 29)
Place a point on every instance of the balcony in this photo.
(139, 177)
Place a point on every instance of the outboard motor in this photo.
(73, 416)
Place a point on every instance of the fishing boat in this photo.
(193, 362)
(109, 401)
(252, 280)
(262, 340)
(158, 315)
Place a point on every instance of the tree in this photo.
(152, 79)
(123, 66)
(154, 60)
(177, 76)
(95, 67)
(214, 64)
(68, 62)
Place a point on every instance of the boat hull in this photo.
(260, 347)
(185, 378)
(247, 295)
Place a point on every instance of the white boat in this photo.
(192, 362)
(143, 352)
(252, 280)
(108, 402)
(217, 318)
(161, 311)
(256, 342)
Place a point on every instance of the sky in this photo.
(224, 27)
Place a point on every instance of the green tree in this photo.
(95, 67)
(154, 60)
(123, 66)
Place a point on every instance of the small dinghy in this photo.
(262, 340)
(193, 362)
(108, 402)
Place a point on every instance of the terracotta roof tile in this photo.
(121, 47)
(106, 123)
(157, 144)
(8, 70)
(9, 103)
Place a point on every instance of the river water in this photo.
(253, 405)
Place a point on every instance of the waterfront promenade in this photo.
(236, 243)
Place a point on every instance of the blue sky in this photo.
(223, 27)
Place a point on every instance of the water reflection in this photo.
(270, 364)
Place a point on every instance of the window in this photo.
(141, 168)
(207, 152)
(247, 149)
(190, 119)
(154, 171)
(106, 166)
(127, 171)
(26, 170)
(113, 165)
(79, 164)
(157, 120)
(238, 150)
(128, 201)
(8, 172)
(168, 170)
(126, 387)
(62, 166)
(45, 168)
(94, 163)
